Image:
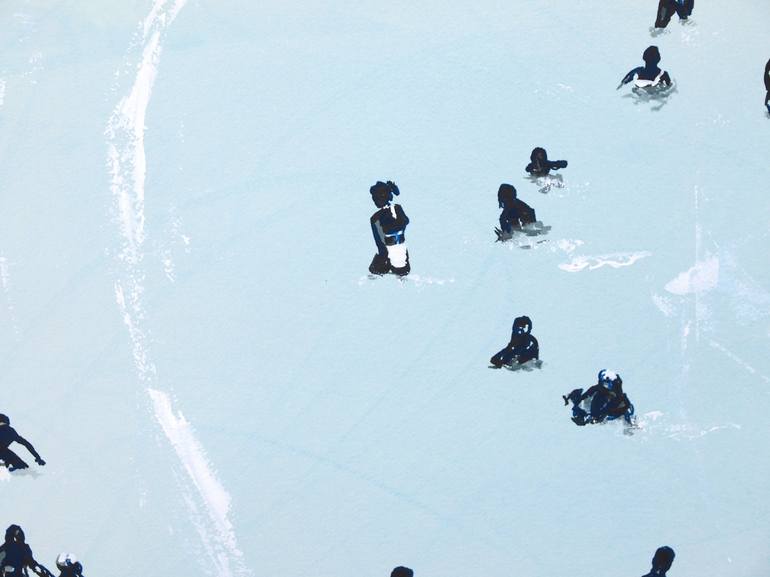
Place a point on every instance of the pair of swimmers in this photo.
(661, 563)
(16, 558)
(389, 222)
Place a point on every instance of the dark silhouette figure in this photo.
(68, 565)
(388, 227)
(515, 215)
(540, 165)
(16, 556)
(402, 572)
(523, 346)
(667, 9)
(607, 401)
(661, 562)
(649, 75)
(767, 85)
(9, 435)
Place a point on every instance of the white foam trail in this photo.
(701, 277)
(127, 160)
(168, 267)
(2, 91)
(664, 305)
(428, 280)
(691, 432)
(615, 260)
(417, 280)
(685, 334)
(4, 276)
(215, 498)
(132, 313)
(5, 282)
(127, 164)
(567, 245)
(175, 238)
(687, 431)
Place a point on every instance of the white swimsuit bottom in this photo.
(397, 255)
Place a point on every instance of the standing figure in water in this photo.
(649, 75)
(523, 346)
(767, 85)
(402, 572)
(667, 8)
(661, 562)
(16, 556)
(516, 213)
(388, 227)
(9, 435)
(539, 164)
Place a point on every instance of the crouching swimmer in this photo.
(388, 228)
(9, 435)
(516, 213)
(539, 165)
(606, 401)
(522, 348)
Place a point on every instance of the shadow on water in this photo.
(546, 183)
(655, 32)
(656, 96)
(6, 474)
(530, 365)
(526, 236)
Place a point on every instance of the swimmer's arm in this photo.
(22, 441)
(39, 570)
(630, 76)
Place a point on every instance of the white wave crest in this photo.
(701, 277)
(614, 260)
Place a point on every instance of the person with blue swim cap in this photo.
(606, 401)
(68, 565)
